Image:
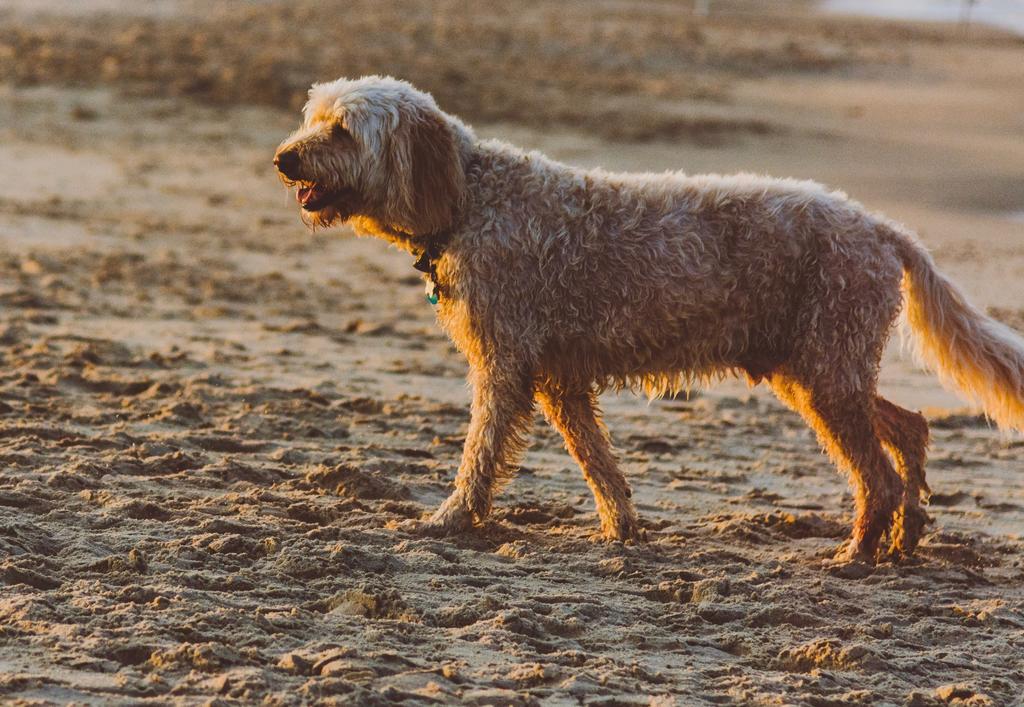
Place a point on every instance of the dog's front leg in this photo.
(501, 412)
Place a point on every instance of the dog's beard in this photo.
(324, 218)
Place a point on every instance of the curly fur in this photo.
(559, 282)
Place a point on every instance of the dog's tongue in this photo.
(307, 194)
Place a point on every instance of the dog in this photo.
(557, 283)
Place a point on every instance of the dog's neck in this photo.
(410, 242)
(427, 249)
(371, 226)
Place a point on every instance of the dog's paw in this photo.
(450, 519)
(423, 528)
(907, 530)
(625, 529)
(852, 561)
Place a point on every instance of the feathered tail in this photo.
(972, 353)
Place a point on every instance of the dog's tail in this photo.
(976, 355)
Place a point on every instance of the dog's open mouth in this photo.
(314, 197)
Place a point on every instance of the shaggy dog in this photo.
(558, 282)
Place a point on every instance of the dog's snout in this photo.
(287, 163)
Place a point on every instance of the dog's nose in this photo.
(287, 163)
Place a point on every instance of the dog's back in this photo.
(662, 279)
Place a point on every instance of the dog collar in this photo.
(427, 263)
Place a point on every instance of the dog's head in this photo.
(375, 148)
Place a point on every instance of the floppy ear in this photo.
(426, 175)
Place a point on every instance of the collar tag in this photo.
(427, 263)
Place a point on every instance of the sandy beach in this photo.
(212, 421)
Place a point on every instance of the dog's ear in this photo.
(426, 178)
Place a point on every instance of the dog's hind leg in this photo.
(576, 416)
(844, 420)
(905, 436)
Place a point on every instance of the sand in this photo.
(212, 421)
